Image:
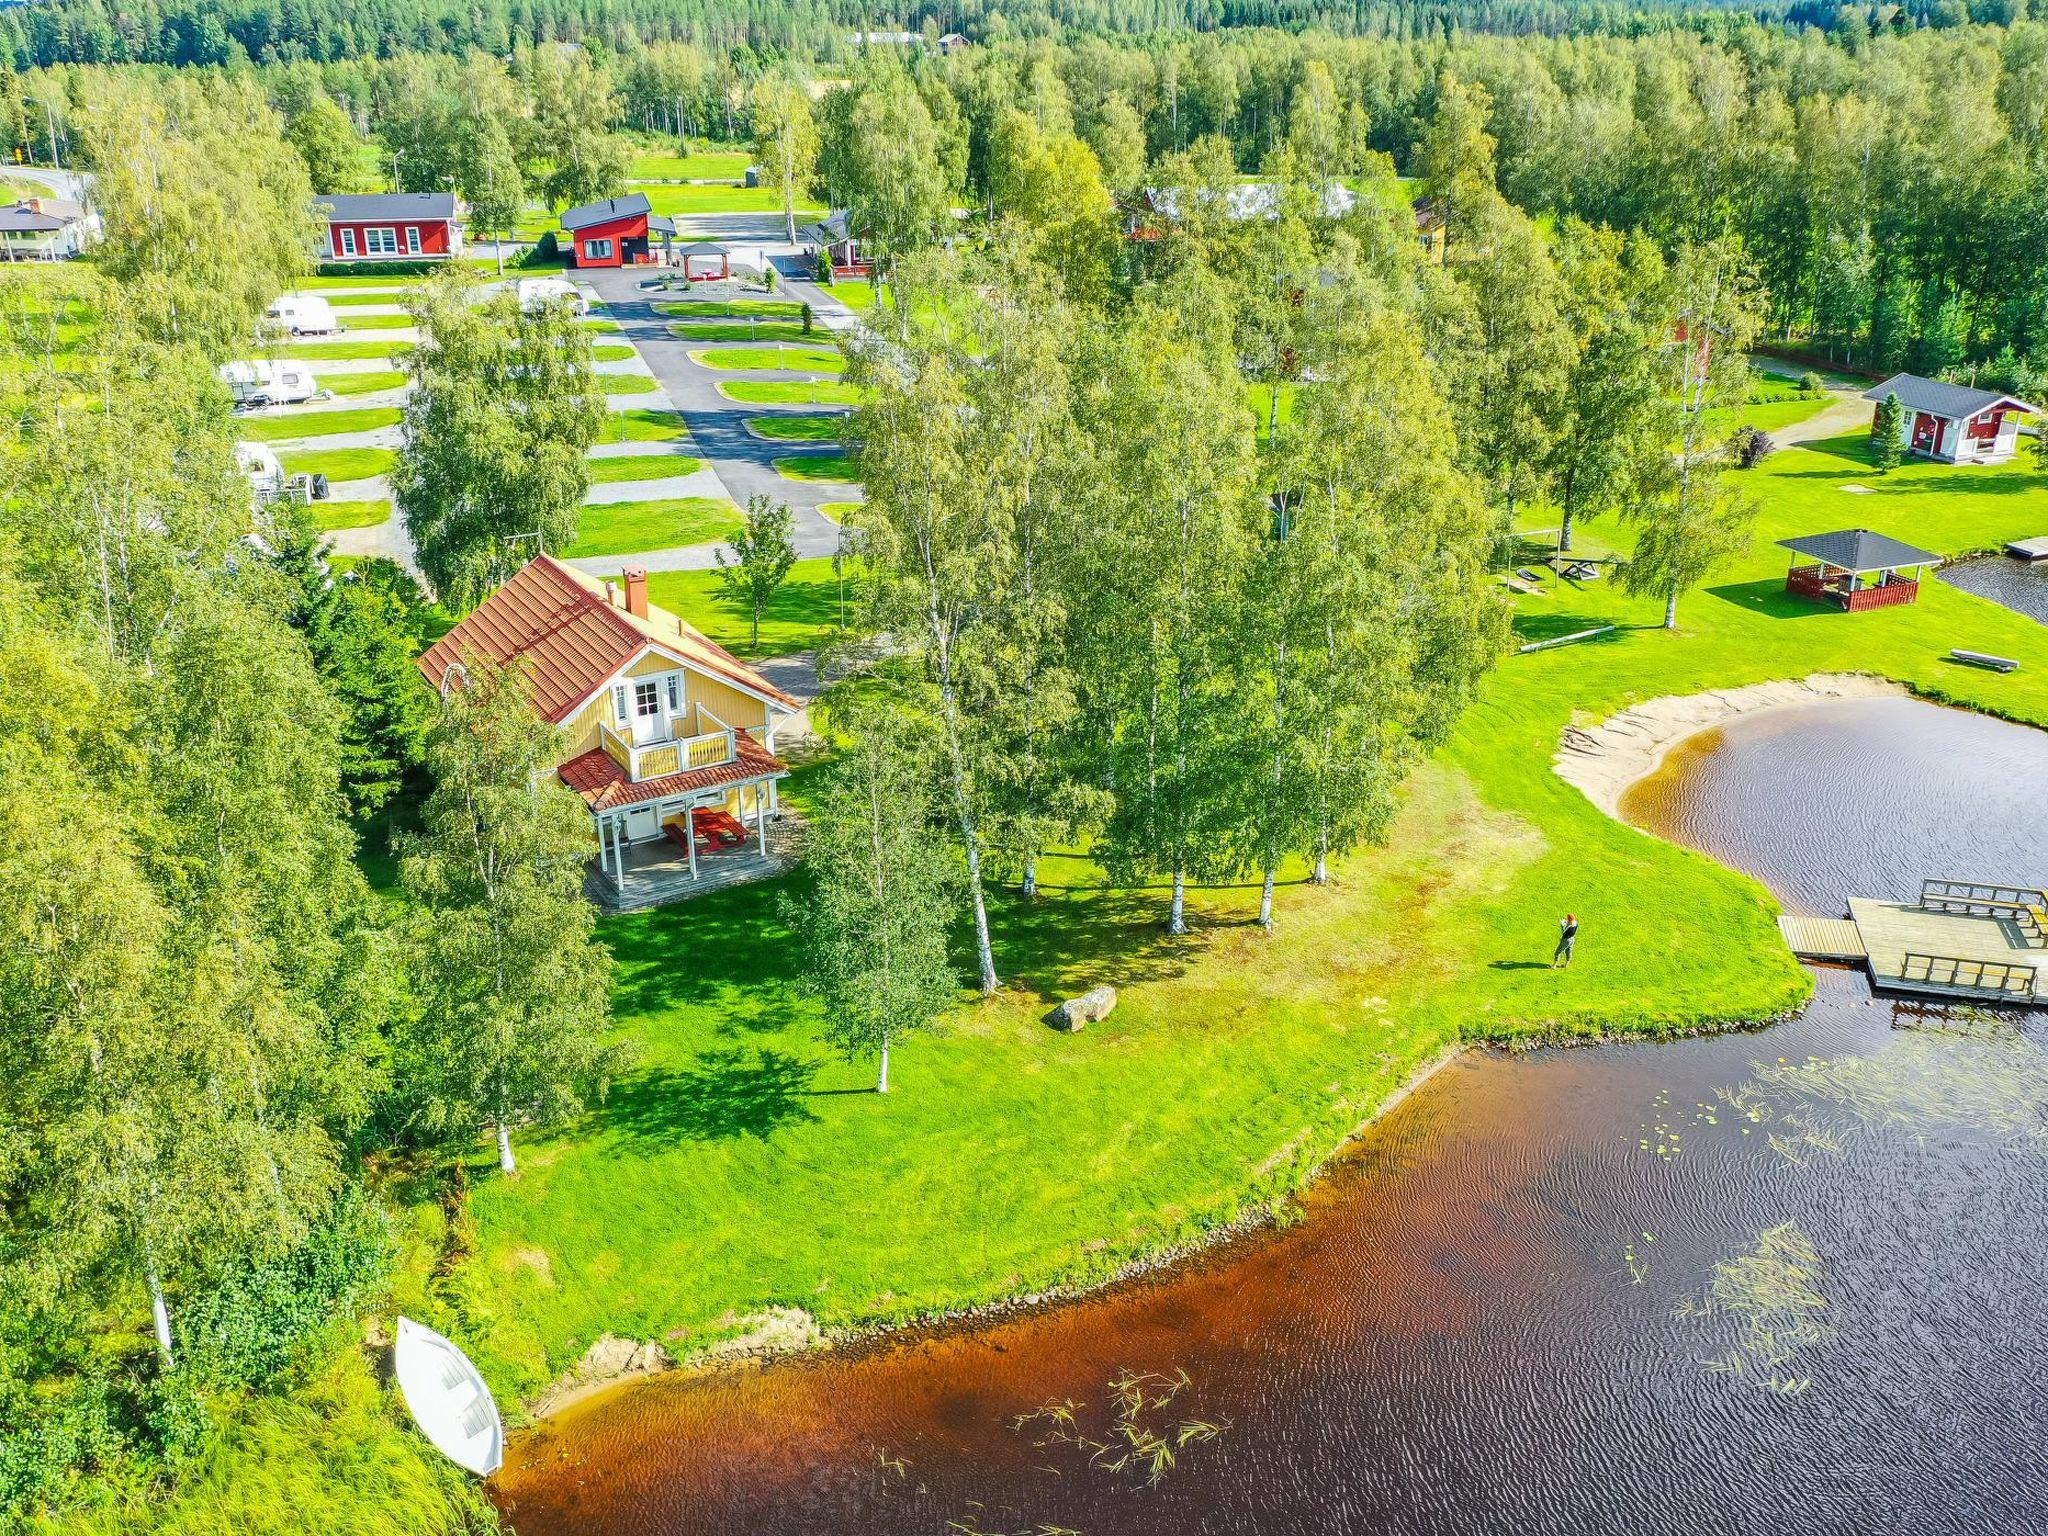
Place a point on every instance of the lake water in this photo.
(2017, 584)
(1502, 1314)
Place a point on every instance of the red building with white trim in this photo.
(1953, 423)
(390, 226)
(618, 232)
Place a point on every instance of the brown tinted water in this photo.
(1490, 1318)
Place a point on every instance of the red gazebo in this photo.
(1855, 569)
(706, 251)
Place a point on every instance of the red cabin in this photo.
(618, 232)
(391, 226)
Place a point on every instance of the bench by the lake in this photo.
(1985, 659)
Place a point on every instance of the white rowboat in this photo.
(448, 1399)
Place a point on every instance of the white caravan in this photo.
(305, 314)
(536, 291)
(262, 382)
(265, 474)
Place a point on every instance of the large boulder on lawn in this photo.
(1091, 1007)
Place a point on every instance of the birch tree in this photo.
(1696, 518)
(512, 1021)
(785, 141)
(874, 925)
(940, 556)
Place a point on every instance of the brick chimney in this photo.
(636, 591)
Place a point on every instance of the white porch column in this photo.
(690, 835)
(604, 856)
(761, 818)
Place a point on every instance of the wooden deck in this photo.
(1963, 942)
(1949, 954)
(658, 873)
(2028, 549)
(1823, 938)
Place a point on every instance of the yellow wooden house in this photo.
(667, 736)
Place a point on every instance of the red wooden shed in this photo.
(618, 232)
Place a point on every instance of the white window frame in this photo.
(375, 237)
(646, 698)
(347, 233)
(412, 239)
(620, 708)
(675, 693)
(597, 250)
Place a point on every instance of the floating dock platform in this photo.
(1961, 940)
(2029, 549)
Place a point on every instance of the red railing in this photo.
(1893, 594)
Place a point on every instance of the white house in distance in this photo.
(46, 229)
(1953, 422)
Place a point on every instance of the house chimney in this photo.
(636, 591)
(611, 594)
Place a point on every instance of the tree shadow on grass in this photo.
(723, 1095)
(731, 946)
(1770, 598)
(1062, 943)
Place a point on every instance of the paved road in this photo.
(742, 462)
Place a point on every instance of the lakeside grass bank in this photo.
(739, 1167)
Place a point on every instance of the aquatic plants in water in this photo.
(1771, 1294)
(1139, 1436)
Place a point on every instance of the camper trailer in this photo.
(305, 314)
(265, 474)
(260, 382)
(536, 291)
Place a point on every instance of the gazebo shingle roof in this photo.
(1859, 550)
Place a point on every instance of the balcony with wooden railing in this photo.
(675, 752)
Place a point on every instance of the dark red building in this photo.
(618, 232)
(390, 226)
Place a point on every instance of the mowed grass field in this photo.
(802, 429)
(307, 424)
(839, 468)
(798, 358)
(641, 466)
(339, 463)
(627, 527)
(789, 392)
(738, 1165)
(641, 426)
(805, 612)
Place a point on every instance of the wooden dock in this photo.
(1969, 942)
(2029, 549)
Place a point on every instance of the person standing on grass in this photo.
(1567, 936)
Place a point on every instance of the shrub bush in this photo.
(377, 268)
(1751, 446)
(1810, 383)
(249, 1327)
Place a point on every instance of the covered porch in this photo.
(1855, 569)
(672, 849)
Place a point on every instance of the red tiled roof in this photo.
(556, 619)
(604, 786)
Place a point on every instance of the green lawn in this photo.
(641, 426)
(789, 392)
(856, 293)
(348, 300)
(599, 325)
(839, 511)
(802, 429)
(344, 351)
(361, 383)
(745, 330)
(703, 165)
(837, 468)
(641, 466)
(330, 515)
(699, 309)
(627, 384)
(340, 463)
(628, 527)
(284, 429)
(811, 359)
(612, 351)
(802, 615)
(738, 1166)
(723, 199)
(375, 323)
